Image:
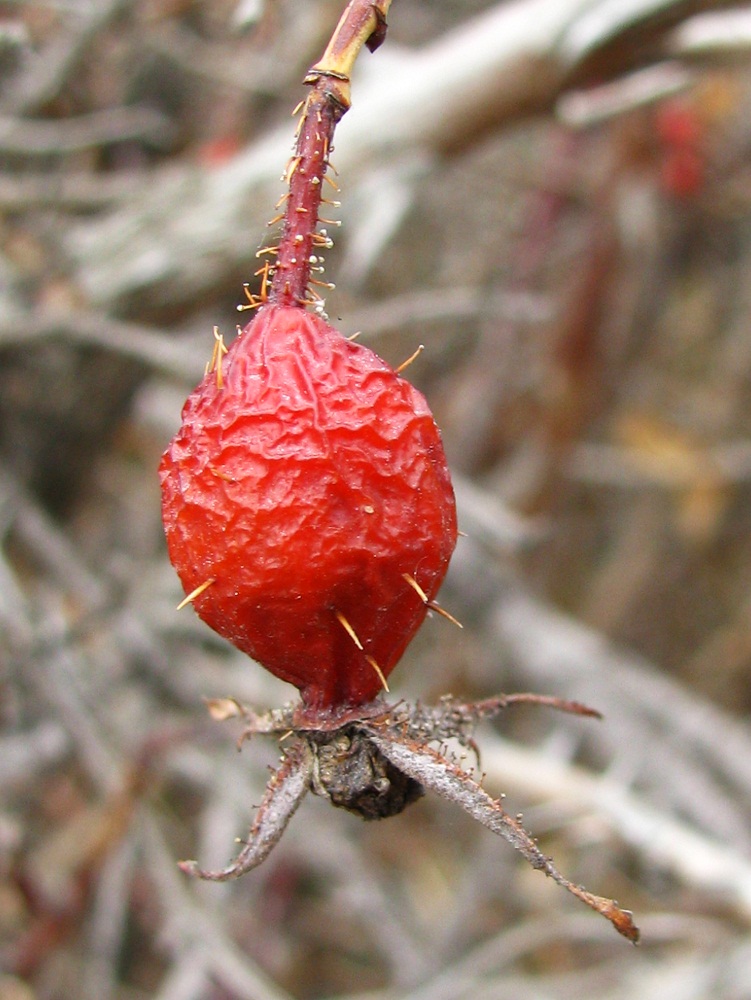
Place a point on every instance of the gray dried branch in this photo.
(98, 128)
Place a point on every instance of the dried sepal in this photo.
(435, 772)
(284, 793)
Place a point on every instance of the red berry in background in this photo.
(682, 138)
(309, 483)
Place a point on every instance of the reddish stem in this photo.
(362, 23)
(300, 238)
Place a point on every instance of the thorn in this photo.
(378, 670)
(263, 250)
(294, 163)
(195, 593)
(416, 587)
(348, 629)
(298, 107)
(410, 359)
(355, 335)
(427, 601)
(277, 218)
(354, 637)
(265, 281)
(216, 357)
(221, 475)
(332, 182)
(444, 613)
(282, 200)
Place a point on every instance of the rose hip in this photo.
(309, 485)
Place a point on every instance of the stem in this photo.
(362, 23)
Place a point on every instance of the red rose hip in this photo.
(309, 484)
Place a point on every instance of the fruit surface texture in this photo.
(308, 482)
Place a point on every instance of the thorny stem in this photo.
(362, 23)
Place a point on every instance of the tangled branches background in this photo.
(553, 196)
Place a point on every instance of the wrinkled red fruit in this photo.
(306, 485)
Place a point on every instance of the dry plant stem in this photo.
(435, 772)
(362, 23)
(284, 793)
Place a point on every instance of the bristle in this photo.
(443, 613)
(378, 670)
(416, 587)
(348, 629)
(428, 603)
(410, 359)
(195, 593)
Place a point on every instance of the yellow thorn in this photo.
(353, 636)
(282, 200)
(348, 629)
(216, 357)
(428, 603)
(333, 183)
(196, 593)
(354, 336)
(265, 281)
(221, 475)
(277, 218)
(444, 613)
(298, 107)
(410, 359)
(294, 163)
(416, 587)
(378, 670)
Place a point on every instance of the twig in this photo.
(46, 73)
(147, 345)
(98, 128)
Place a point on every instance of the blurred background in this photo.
(554, 197)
